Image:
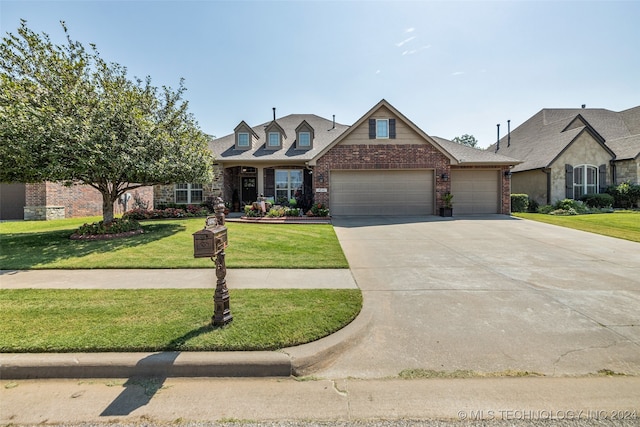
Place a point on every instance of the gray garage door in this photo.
(397, 192)
(475, 192)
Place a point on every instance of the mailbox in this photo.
(209, 241)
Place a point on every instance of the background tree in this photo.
(67, 115)
(466, 139)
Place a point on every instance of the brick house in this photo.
(51, 200)
(568, 152)
(383, 164)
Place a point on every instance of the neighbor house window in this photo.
(274, 139)
(243, 139)
(288, 182)
(585, 180)
(188, 193)
(304, 139)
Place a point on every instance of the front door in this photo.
(249, 191)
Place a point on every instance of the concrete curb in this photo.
(311, 357)
(163, 364)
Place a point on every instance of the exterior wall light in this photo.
(444, 177)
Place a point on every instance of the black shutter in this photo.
(392, 128)
(568, 181)
(602, 178)
(372, 128)
(270, 183)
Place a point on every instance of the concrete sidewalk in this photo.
(249, 278)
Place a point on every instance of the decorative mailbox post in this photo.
(210, 242)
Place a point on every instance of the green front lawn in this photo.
(623, 225)
(167, 244)
(169, 319)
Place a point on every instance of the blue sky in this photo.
(451, 67)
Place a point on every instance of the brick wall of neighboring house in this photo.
(51, 200)
(379, 156)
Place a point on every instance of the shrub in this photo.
(625, 195)
(602, 200)
(118, 225)
(292, 212)
(188, 211)
(570, 211)
(533, 205)
(275, 212)
(318, 209)
(567, 204)
(545, 209)
(519, 202)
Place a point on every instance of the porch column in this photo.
(260, 188)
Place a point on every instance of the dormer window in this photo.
(275, 136)
(243, 140)
(304, 136)
(274, 139)
(304, 139)
(244, 136)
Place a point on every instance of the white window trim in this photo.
(379, 121)
(584, 170)
(240, 144)
(291, 191)
(189, 190)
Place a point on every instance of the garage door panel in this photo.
(475, 191)
(382, 192)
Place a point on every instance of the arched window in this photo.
(585, 180)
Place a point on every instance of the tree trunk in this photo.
(107, 207)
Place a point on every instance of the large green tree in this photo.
(466, 139)
(67, 115)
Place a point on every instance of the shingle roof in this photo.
(466, 155)
(540, 139)
(324, 133)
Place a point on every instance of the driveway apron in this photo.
(490, 294)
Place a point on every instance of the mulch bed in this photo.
(105, 236)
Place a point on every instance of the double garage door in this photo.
(411, 192)
(375, 192)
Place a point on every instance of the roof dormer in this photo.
(275, 136)
(244, 136)
(304, 136)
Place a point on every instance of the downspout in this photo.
(548, 172)
(613, 172)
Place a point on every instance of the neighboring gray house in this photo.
(566, 153)
(383, 164)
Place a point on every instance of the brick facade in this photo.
(379, 157)
(51, 200)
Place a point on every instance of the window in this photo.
(585, 180)
(188, 193)
(382, 129)
(287, 183)
(243, 139)
(274, 139)
(304, 139)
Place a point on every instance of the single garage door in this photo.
(395, 192)
(475, 192)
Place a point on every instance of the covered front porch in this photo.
(282, 184)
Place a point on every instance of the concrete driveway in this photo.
(490, 294)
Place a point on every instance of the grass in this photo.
(33, 320)
(620, 224)
(167, 244)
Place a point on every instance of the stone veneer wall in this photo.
(163, 194)
(51, 200)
